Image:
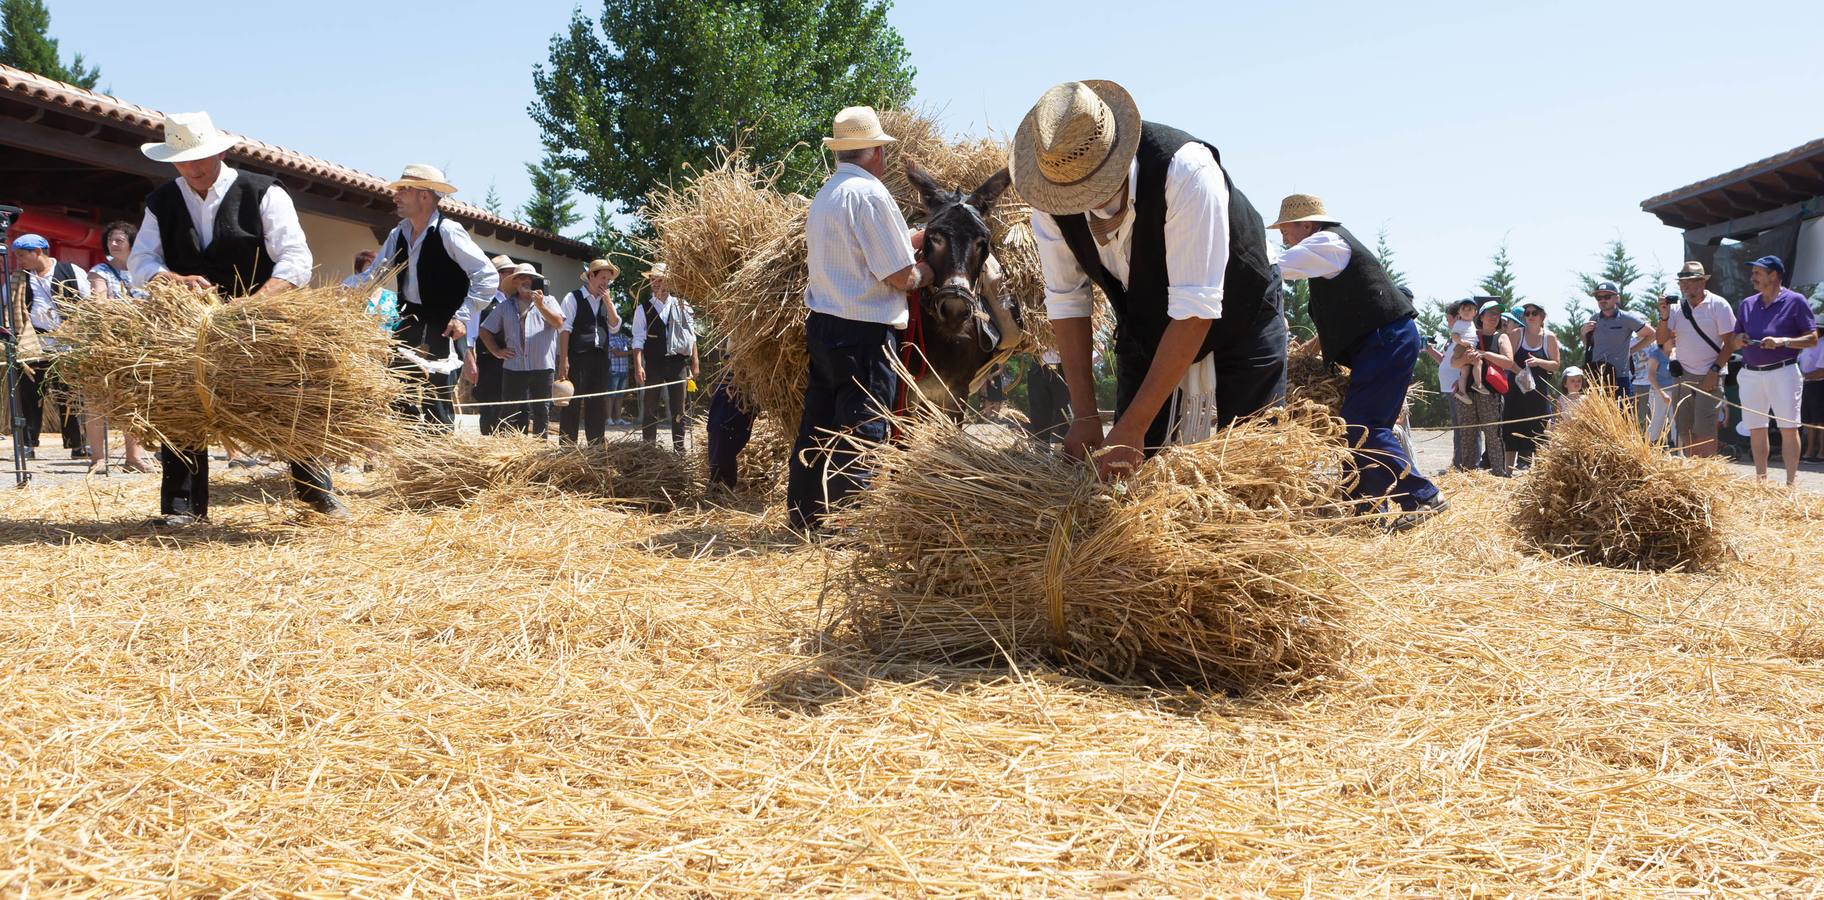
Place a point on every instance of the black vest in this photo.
(589, 334)
(235, 261)
(1251, 289)
(656, 345)
(442, 283)
(1350, 305)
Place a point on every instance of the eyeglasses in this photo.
(1535, 313)
(1607, 296)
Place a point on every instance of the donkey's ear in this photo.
(983, 198)
(928, 192)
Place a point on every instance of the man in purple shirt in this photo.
(1775, 323)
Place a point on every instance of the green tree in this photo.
(653, 86)
(492, 203)
(553, 205)
(1298, 309)
(1383, 253)
(1500, 283)
(618, 245)
(1619, 267)
(26, 43)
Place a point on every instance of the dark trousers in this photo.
(184, 482)
(428, 398)
(530, 396)
(31, 403)
(730, 427)
(34, 389)
(851, 379)
(488, 387)
(1379, 372)
(589, 374)
(658, 372)
(1047, 403)
(1250, 376)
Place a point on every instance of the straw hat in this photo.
(561, 392)
(658, 270)
(1073, 149)
(1303, 208)
(857, 128)
(525, 268)
(502, 261)
(596, 265)
(1692, 270)
(419, 175)
(188, 137)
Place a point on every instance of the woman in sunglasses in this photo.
(1527, 405)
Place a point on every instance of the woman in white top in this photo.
(111, 278)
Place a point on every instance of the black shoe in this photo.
(176, 521)
(330, 508)
(1424, 510)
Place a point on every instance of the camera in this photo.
(538, 283)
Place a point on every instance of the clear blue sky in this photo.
(1456, 126)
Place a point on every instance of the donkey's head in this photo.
(956, 245)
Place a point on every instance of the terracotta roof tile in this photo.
(1815, 148)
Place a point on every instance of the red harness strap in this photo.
(911, 354)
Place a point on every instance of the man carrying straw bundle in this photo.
(1147, 213)
(435, 279)
(237, 233)
(1364, 321)
(859, 254)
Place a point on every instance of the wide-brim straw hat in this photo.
(1692, 271)
(1303, 208)
(423, 177)
(658, 270)
(1074, 148)
(857, 128)
(188, 137)
(596, 265)
(502, 261)
(524, 268)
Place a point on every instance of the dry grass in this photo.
(1198, 570)
(298, 375)
(1308, 377)
(1600, 491)
(539, 698)
(442, 470)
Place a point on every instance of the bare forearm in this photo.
(1075, 356)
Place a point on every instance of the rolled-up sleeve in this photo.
(1196, 233)
(1067, 293)
(285, 243)
(880, 230)
(147, 258)
(569, 308)
(483, 280)
(1322, 255)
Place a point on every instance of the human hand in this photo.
(563, 370)
(1772, 343)
(639, 374)
(1708, 385)
(1120, 455)
(455, 331)
(504, 353)
(1083, 436)
(471, 373)
(1587, 329)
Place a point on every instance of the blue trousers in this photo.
(1379, 372)
(729, 429)
(851, 379)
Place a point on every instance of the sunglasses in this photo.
(1535, 313)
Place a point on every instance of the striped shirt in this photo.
(855, 236)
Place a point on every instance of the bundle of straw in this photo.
(453, 470)
(761, 464)
(299, 375)
(1200, 569)
(1599, 491)
(1308, 377)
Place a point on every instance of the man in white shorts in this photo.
(1775, 323)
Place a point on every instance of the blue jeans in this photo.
(851, 379)
(1379, 373)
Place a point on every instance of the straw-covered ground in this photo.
(520, 698)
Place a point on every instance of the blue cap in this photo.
(1606, 287)
(1770, 263)
(37, 242)
(1513, 315)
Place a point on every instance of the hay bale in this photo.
(453, 470)
(298, 374)
(1197, 570)
(1600, 492)
(1308, 377)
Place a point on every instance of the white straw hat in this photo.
(188, 137)
(857, 128)
(1303, 208)
(419, 175)
(658, 270)
(1073, 149)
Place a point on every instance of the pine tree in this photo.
(552, 207)
(615, 244)
(491, 202)
(1383, 253)
(26, 43)
(1500, 283)
(1618, 266)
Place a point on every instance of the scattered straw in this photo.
(452, 470)
(1308, 377)
(1599, 491)
(1202, 568)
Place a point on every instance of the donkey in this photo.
(965, 331)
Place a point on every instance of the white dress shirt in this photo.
(469, 314)
(45, 311)
(612, 319)
(854, 237)
(483, 280)
(1196, 243)
(641, 326)
(1321, 255)
(291, 261)
(1716, 317)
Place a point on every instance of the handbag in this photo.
(1496, 378)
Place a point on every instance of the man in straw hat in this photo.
(435, 277)
(523, 332)
(1364, 321)
(859, 252)
(236, 232)
(582, 352)
(481, 368)
(1697, 333)
(664, 354)
(1147, 213)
